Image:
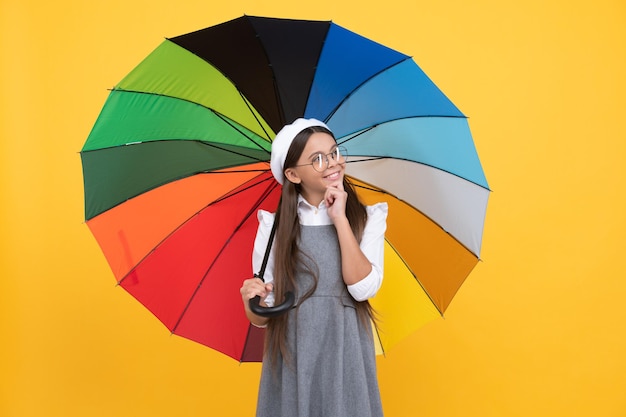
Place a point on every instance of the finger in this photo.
(337, 185)
(333, 194)
(253, 292)
(253, 287)
(329, 198)
(331, 189)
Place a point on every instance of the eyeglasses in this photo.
(320, 161)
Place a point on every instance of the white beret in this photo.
(282, 142)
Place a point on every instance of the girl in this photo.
(328, 250)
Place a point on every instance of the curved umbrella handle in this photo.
(256, 308)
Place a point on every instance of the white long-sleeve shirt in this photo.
(372, 244)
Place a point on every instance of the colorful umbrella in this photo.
(177, 165)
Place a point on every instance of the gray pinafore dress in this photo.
(332, 369)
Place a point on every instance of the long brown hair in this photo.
(287, 255)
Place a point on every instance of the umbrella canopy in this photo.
(177, 165)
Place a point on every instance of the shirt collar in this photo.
(309, 215)
(305, 204)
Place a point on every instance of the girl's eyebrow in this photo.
(322, 152)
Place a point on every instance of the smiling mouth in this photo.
(332, 176)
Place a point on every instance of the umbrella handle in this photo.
(256, 308)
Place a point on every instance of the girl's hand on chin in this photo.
(335, 198)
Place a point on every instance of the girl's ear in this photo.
(292, 176)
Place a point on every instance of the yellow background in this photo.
(537, 330)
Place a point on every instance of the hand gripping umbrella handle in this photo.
(256, 308)
(255, 303)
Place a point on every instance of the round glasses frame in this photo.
(321, 161)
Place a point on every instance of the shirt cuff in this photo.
(367, 287)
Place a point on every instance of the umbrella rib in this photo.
(228, 122)
(380, 341)
(246, 343)
(319, 55)
(414, 276)
(254, 207)
(229, 195)
(221, 116)
(186, 175)
(377, 158)
(375, 189)
(243, 97)
(178, 178)
(202, 142)
(216, 146)
(439, 169)
(235, 171)
(281, 113)
(366, 158)
(279, 101)
(223, 197)
(355, 89)
(347, 138)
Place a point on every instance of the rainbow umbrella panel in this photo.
(177, 166)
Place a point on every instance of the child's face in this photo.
(313, 182)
